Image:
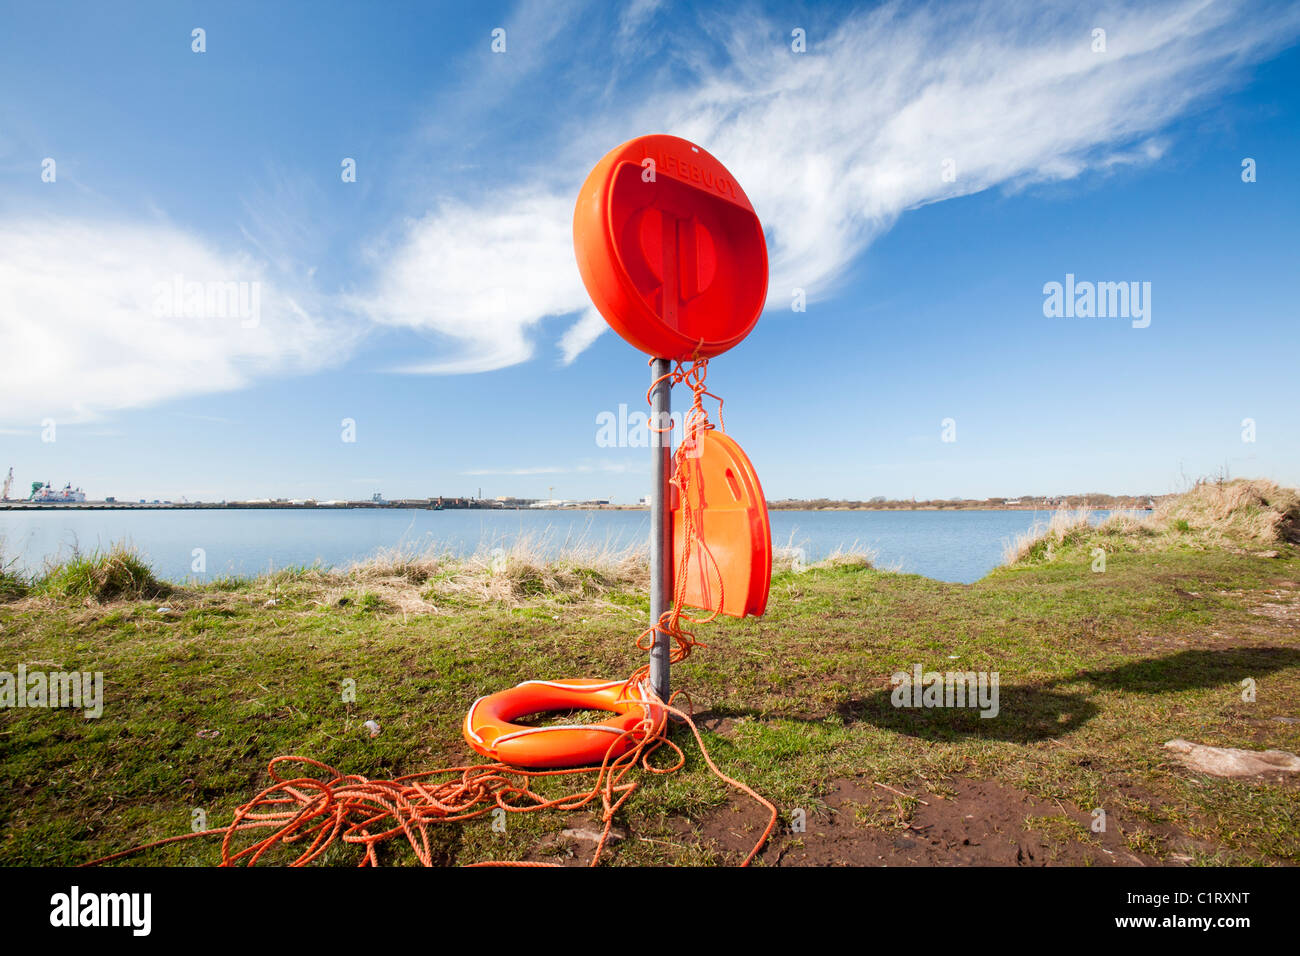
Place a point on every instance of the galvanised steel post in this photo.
(661, 529)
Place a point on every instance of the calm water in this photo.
(951, 546)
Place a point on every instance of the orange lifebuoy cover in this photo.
(670, 249)
(489, 729)
(731, 571)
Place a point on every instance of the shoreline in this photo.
(373, 671)
(24, 506)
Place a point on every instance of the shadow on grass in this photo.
(1031, 712)
(1026, 713)
(1189, 670)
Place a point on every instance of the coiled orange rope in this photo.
(317, 811)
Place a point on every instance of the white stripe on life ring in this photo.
(581, 688)
(469, 719)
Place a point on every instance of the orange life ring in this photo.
(489, 729)
(735, 575)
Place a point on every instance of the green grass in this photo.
(12, 585)
(1097, 671)
(118, 574)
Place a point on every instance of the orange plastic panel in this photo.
(734, 575)
(677, 262)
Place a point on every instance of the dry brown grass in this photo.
(1214, 513)
(403, 579)
(1254, 511)
(1064, 525)
(529, 571)
(793, 557)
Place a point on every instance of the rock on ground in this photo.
(1230, 762)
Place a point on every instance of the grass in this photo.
(12, 583)
(1212, 514)
(98, 577)
(1097, 668)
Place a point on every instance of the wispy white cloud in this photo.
(217, 419)
(612, 467)
(833, 145)
(586, 466)
(633, 22)
(87, 328)
(535, 470)
(480, 277)
(581, 334)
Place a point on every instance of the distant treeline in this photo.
(1036, 502)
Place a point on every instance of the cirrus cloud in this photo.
(832, 145)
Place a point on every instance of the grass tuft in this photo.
(119, 574)
(13, 584)
(1213, 514)
(1255, 511)
(1065, 527)
(531, 569)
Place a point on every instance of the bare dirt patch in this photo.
(969, 823)
(1281, 603)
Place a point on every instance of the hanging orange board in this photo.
(670, 249)
(730, 571)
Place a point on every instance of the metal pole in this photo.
(661, 528)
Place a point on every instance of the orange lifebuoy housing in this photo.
(730, 572)
(670, 249)
(489, 729)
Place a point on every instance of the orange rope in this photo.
(686, 477)
(319, 811)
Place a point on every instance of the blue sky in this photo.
(435, 301)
